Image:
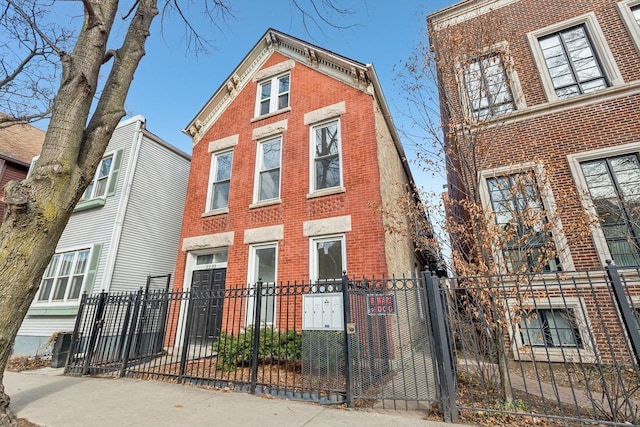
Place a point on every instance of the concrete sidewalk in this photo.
(47, 398)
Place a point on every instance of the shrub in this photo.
(234, 351)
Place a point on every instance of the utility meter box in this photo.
(323, 312)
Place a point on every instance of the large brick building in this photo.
(556, 84)
(292, 157)
(546, 93)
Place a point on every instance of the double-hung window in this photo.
(263, 259)
(268, 169)
(220, 179)
(572, 62)
(273, 95)
(487, 87)
(527, 244)
(326, 155)
(105, 179)
(64, 277)
(614, 187)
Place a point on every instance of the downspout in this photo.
(114, 244)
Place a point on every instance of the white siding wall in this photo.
(153, 220)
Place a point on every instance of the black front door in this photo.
(207, 287)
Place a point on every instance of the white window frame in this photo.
(549, 204)
(212, 180)
(312, 165)
(313, 264)
(273, 96)
(258, 172)
(501, 49)
(598, 44)
(94, 180)
(586, 354)
(252, 279)
(574, 160)
(624, 7)
(65, 300)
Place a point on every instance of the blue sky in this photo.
(171, 86)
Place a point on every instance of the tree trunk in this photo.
(39, 207)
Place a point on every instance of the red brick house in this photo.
(291, 156)
(18, 145)
(554, 89)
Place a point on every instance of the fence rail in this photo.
(555, 346)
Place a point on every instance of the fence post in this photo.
(628, 318)
(443, 351)
(95, 331)
(132, 333)
(76, 332)
(346, 313)
(256, 334)
(187, 335)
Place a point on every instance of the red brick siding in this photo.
(310, 90)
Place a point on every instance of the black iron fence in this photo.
(359, 342)
(559, 348)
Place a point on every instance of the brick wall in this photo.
(546, 131)
(310, 90)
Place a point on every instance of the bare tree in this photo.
(83, 115)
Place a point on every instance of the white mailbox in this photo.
(323, 312)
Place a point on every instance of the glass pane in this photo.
(270, 155)
(88, 191)
(76, 287)
(220, 195)
(283, 101)
(269, 185)
(105, 167)
(67, 262)
(52, 267)
(266, 271)
(532, 331)
(81, 262)
(326, 140)
(265, 90)
(329, 258)
(327, 172)
(61, 288)
(45, 290)
(204, 259)
(561, 328)
(220, 256)
(101, 188)
(223, 166)
(283, 84)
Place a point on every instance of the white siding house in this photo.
(126, 227)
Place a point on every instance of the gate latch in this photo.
(351, 328)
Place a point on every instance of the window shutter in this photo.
(93, 267)
(115, 169)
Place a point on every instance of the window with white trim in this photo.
(630, 13)
(553, 329)
(487, 87)
(614, 188)
(519, 213)
(105, 179)
(263, 260)
(327, 162)
(574, 58)
(328, 256)
(550, 327)
(268, 169)
(219, 181)
(64, 278)
(273, 95)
